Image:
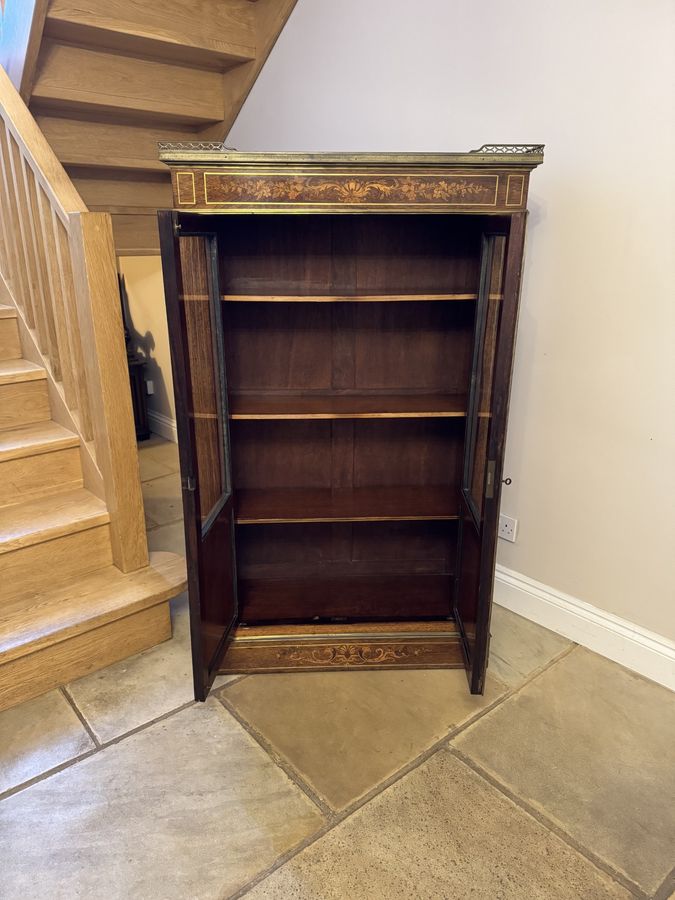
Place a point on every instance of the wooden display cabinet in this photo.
(342, 331)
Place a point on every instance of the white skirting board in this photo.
(163, 426)
(617, 639)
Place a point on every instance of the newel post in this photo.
(107, 377)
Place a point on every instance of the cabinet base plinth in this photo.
(287, 648)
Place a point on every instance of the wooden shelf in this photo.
(352, 405)
(340, 595)
(346, 298)
(373, 504)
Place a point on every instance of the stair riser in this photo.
(136, 235)
(136, 88)
(32, 675)
(123, 194)
(10, 345)
(23, 403)
(23, 479)
(109, 145)
(41, 566)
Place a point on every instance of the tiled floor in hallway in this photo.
(558, 783)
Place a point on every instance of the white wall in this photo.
(148, 326)
(591, 444)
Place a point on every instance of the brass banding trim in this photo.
(454, 176)
(373, 637)
(508, 188)
(191, 175)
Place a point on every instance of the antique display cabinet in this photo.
(342, 331)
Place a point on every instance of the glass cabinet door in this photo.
(195, 330)
(479, 497)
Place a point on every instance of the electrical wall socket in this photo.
(150, 386)
(508, 528)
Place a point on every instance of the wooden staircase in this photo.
(77, 587)
(108, 79)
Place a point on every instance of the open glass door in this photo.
(482, 464)
(195, 331)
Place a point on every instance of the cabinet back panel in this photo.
(350, 598)
(379, 254)
(343, 454)
(347, 570)
(342, 346)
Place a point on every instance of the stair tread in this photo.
(39, 619)
(7, 312)
(13, 370)
(30, 440)
(174, 30)
(125, 86)
(48, 517)
(109, 145)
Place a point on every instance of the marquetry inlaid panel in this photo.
(232, 190)
(428, 645)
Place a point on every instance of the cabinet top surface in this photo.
(489, 156)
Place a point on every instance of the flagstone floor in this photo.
(558, 783)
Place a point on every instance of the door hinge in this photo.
(189, 483)
(177, 228)
(490, 479)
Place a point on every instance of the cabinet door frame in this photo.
(476, 658)
(197, 530)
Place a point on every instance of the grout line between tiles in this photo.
(80, 715)
(151, 525)
(337, 818)
(164, 475)
(276, 757)
(666, 889)
(98, 749)
(235, 680)
(549, 824)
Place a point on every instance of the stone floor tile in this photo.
(141, 688)
(37, 736)
(168, 537)
(591, 744)
(150, 468)
(518, 646)
(440, 833)
(161, 451)
(191, 807)
(163, 500)
(344, 732)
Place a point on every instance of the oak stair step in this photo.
(127, 192)
(216, 33)
(38, 460)
(23, 393)
(34, 440)
(126, 86)
(136, 235)
(14, 371)
(110, 145)
(52, 636)
(46, 518)
(10, 343)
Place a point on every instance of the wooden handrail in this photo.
(58, 261)
(39, 155)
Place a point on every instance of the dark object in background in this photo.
(136, 363)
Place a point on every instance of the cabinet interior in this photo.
(347, 346)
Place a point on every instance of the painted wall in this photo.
(591, 446)
(148, 327)
(16, 17)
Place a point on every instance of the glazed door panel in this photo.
(494, 332)
(195, 329)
